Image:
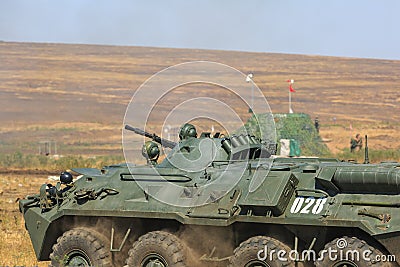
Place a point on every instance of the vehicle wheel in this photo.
(79, 247)
(157, 249)
(348, 252)
(251, 253)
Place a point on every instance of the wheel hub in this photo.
(154, 260)
(78, 259)
(345, 264)
(257, 263)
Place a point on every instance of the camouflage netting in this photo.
(297, 126)
(257, 121)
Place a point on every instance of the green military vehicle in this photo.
(219, 201)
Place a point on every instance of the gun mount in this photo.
(154, 137)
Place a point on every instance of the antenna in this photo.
(366, 159)
(249, 78)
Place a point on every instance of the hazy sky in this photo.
(351, 28)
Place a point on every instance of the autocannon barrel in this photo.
(154, 137)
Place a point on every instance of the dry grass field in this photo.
(15, 246)
(76, 95)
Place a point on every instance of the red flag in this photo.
(291, 88)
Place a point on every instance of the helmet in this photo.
(150, 150)
(66, 178)
(187, 130)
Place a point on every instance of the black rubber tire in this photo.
(80, 243)
(158, 244)
(246, 253)
(352, 244)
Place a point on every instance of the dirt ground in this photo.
(381, 136)
(16, 248)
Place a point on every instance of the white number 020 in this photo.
(307, 205)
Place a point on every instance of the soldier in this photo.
(356, 143)
(316, 124)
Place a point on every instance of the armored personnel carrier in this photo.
(219, 201)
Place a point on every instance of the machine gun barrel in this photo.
(154, 137)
